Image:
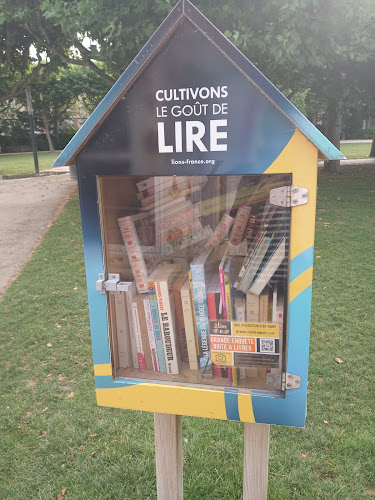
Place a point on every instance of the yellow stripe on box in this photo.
(102, 370)
(165, 399)
(245, 408)
(300, 284)
(300, 158)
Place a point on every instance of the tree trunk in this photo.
(334, 124)
(47, 131)
(372, 152)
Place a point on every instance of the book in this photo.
(169, 200)
(264, 301)
(122, 330)
(138, 337)
(187, 311)
(141, 334)
(165, 192)
(154, 183)
(198, 278)
(177, 219)
(239, 225)
(134, 252)
(156, 321)
(150, 331)
(272, 261)
(220, 232)
(130, 291)
(163, 282)
(240, 309)
(180, 323)
(188, 240)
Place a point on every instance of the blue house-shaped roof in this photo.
(183, 11)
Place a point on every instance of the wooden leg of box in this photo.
(168, 454)
(255, 472)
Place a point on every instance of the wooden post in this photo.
(255, 470)
(168, 454)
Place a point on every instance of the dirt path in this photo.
(27, 207)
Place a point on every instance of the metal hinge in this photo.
(289, 196)
(283, 381)
(109, 285)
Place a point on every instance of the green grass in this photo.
(23, 163)
(53, 435)
(356, 150)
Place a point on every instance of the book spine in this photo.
(179, 186)
(150, 331)
(138, 337)
(222, 293)
(178, 219)
(189, 328)
(167, 327)
(193, 310)
(129, 295)
(220, 232)
(188, 240)
(252, 249)
(253, 267)
(134, 251)
(228, 296)
(180, 324)
(239, 225)
(184, 230)
(156, 325)
(201, 315)
(122, 330)
(252, 308)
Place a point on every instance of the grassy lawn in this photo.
(23, 163)
(355, 150)
(54, 436)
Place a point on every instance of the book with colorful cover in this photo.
(142, 331)
(151, 334)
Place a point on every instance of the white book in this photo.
(269, 269)
(138, 337)
(166, 317)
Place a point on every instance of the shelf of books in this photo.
(203, 267)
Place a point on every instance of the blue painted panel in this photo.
(106, 382)
(231, 405)
(94, 265)
(301, 263)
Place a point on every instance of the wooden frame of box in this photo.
(191, 104)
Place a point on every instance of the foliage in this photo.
(23, 164)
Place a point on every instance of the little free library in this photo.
(197, 185)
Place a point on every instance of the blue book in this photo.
(201, 311)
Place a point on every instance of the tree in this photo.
(309, 44)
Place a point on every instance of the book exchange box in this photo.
(197, 185)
